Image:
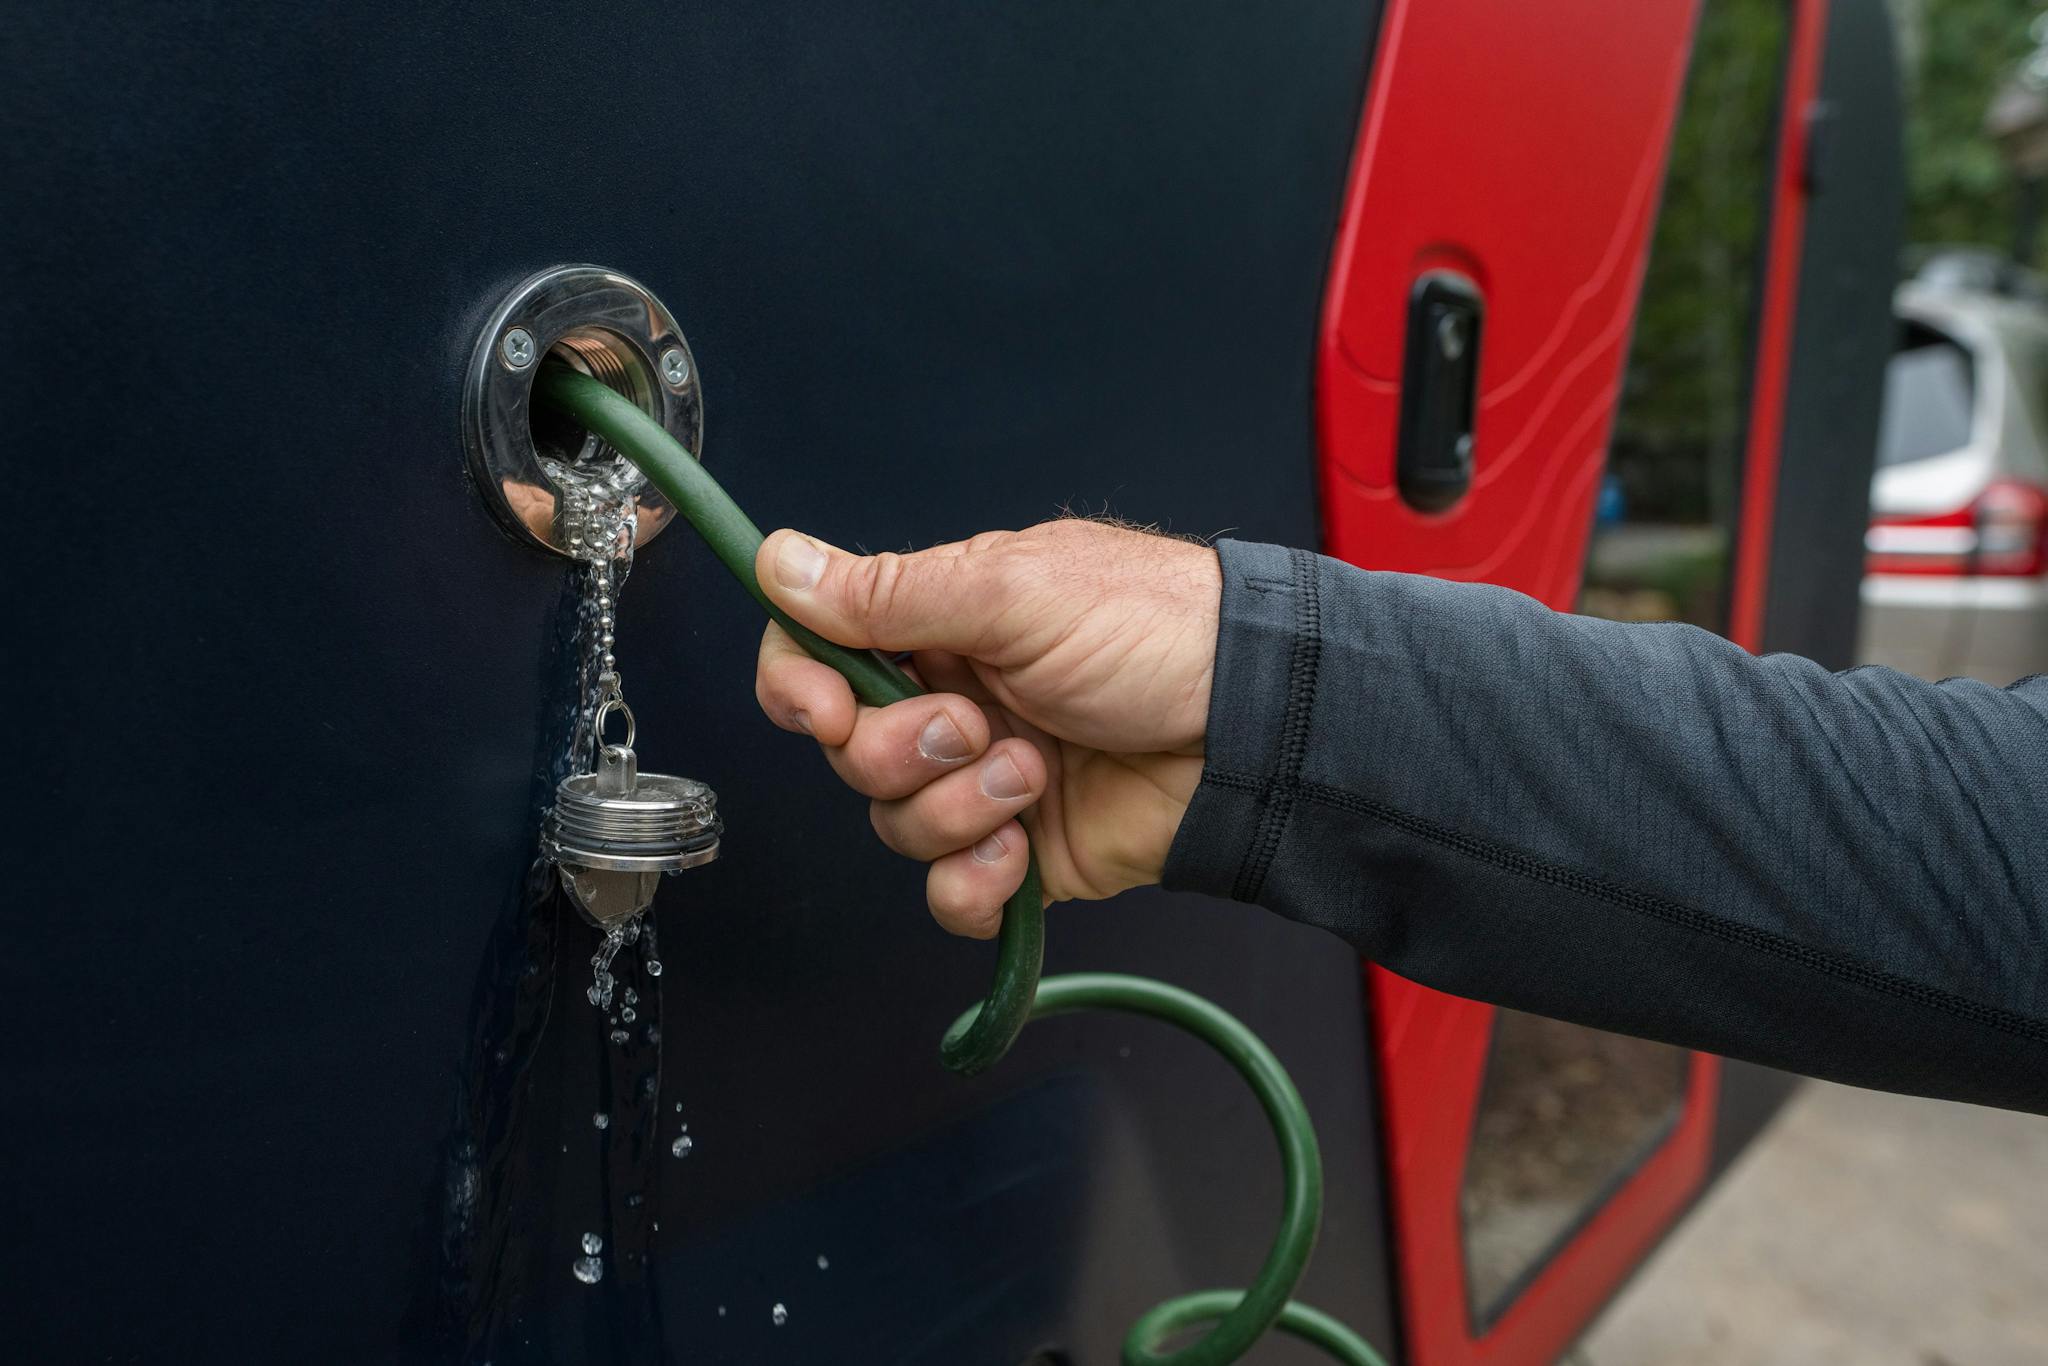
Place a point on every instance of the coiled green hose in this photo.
(984, 1033)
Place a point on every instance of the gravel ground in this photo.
(1861, 1229)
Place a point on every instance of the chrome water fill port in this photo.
(614, 832)
(531, 466)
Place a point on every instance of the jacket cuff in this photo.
(1267, 642)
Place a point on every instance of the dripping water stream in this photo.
(551, 1178)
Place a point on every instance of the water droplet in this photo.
(620, 1036)
(780, 1314)
(601, 1120)
(679, 1107)
(589, 1270)
(823, 1264)
(653, 1034)
(628, 1015)
(635, 1200)
(681, 1147)
(721, 1311)
(632, 997)
(654, 967)
(602, 981)
(592, 1244)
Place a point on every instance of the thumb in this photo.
(936, 599)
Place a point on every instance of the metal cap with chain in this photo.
(614, 831)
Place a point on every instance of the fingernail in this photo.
(799, 564)
(941, 740)
(1001, 779)
(802, 721)
(992, 849)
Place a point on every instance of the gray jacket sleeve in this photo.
(1638, 827)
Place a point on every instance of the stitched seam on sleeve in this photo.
(1520, 864)
(1277, 796)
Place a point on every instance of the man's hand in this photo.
(1069, 666)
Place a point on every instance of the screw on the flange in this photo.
(674, 368)
(516, 346)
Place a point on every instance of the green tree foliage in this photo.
(1958, 187)
(1679, 431)
(1677, 441)
(1682, 421)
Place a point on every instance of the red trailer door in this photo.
(1518, 152)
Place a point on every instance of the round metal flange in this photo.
(607, 325)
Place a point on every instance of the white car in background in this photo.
(1956, 577)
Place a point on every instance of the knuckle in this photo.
(942, 893)
(956, 907)
(881, 816)
(1015, 559)
(873, 773)
(1008, 561)
(991, 542)
(878, 584)
(980, 919)
(771, 673)
(854, 770)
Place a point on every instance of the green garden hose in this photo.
(984, 1033)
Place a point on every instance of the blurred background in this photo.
(1862, 1227)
